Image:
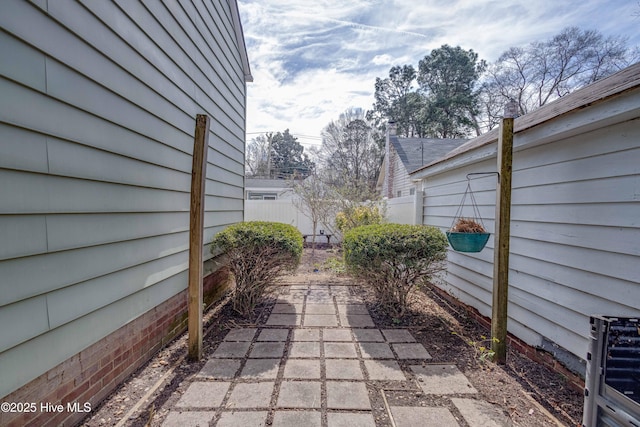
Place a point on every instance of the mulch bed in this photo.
(524, 389)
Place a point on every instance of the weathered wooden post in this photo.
(501, 237)
(196, 229)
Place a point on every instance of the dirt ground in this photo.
(527, 391)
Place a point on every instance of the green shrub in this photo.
(258, 252)
(356, 216)
(394, 259)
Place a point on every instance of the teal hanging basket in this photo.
(467, 242)
(468, 234)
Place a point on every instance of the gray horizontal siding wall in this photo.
(97, 114)
(575, 226)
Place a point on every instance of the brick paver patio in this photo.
(316, 362)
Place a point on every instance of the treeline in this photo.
(451, 94)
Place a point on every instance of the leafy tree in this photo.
(397, 101)
(288, 158)
(448, 78)
(543, 71)
(350, 153)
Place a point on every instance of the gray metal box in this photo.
(612, 386)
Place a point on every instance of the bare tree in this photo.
(350, 153)
(543, 71)
(316, 200)
(257, 156)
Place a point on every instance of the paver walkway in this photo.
(319, 360)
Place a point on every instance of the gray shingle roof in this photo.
(416, 152)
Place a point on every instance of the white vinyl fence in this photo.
(284, 211)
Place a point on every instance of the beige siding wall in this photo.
(575, 224)
(401, 182)
(97, 116)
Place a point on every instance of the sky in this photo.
(313, 59)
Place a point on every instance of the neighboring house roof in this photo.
(416, 152)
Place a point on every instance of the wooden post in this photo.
(501, 239)
(196, 229)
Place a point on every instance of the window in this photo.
(412, 191)
(399, 193)
(261, 196)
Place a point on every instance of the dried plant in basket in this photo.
(467, 225)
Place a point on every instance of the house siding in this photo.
(398, 178)
(574, 225)
(97, 117)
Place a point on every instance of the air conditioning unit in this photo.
(612, 386)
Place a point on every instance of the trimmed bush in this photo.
(259, 252)
(394, 259)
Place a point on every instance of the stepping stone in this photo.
(356, 320)
(298, 292)
(320, 320)
(251, 395)
(306, 335)
(290, 299)
(384, 370)
(398, 335)
(353, 309)
(267, 349)
(301, 368)
(344, 369)
(372, 335)
(241, 419)
(347, 395)
(320, 309)
(411, 351)
(375, 350)
(442, 379)
(284, 319)
(351, 299)
(336, 334)
(340, 350)
(305, 349)
(296, 419)
(245, 334)
(229, 350)
(350, 419)
(287, 309)
(412, 416)
(328, 299)
(261, 368)
(478, 413)
(219, 369)
(299, 394)
(273, 335)
(188, 418)
(203, 395)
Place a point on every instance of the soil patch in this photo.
(526, 390)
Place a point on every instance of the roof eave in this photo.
(237, 26)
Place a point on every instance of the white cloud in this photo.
(311, 60)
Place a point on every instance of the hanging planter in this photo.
(468, 234)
